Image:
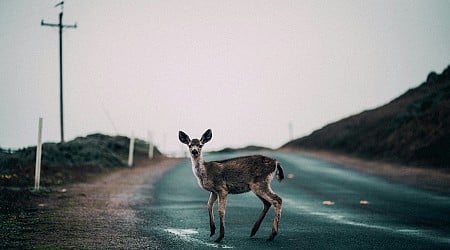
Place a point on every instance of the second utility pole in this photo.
(61, 26)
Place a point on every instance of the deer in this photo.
(235, 176)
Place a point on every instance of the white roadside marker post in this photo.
(150, 151)
(37, 175)
(150, 146)
(131, 151)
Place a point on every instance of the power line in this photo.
(61, 26)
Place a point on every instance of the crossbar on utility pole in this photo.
(60, 25)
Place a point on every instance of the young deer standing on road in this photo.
(235, 176)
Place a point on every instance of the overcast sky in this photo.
(245, 69)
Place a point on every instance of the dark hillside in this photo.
(412, 129)
(69, 161)
(247, 148)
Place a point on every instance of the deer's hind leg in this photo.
(266, 206)
(264, 191)
(212, 225)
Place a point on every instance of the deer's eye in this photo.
(190, 146)
(200, 146)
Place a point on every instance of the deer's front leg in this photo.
(222, 206)
(212, 225)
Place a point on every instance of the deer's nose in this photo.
(194, 151)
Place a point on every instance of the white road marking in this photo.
(187, 235)
(340, 218)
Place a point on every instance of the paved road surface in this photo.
(321, 210)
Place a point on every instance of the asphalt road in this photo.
(325, 206)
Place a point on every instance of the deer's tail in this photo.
(280, 173)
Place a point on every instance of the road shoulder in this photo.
(98, 213)
(421, 177)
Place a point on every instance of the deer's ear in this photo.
(183, 137)
(206, 137)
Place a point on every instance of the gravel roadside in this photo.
(96, 214)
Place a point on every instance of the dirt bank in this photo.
(422, 177)
(97, 214)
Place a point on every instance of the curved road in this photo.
(325, 206)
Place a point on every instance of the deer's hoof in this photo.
(219, 239)
(253, 232)
(272, 236)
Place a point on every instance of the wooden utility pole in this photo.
(60, 25)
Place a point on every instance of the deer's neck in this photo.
(199, 170)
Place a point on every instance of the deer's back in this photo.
(238, 173)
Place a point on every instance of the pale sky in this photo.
(245, 69)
